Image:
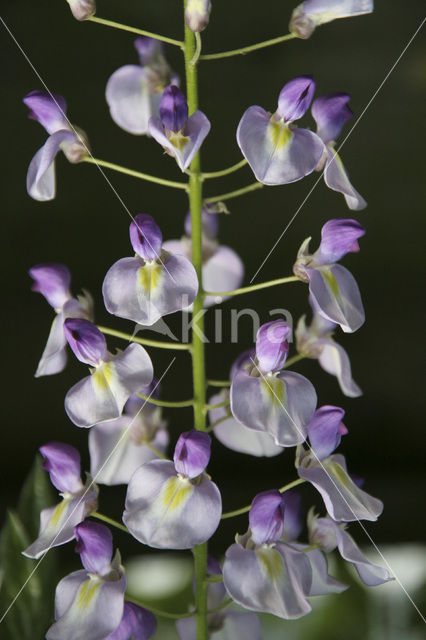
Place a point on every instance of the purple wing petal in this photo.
(94, 544)
(295, 98)
(41, 171)
(330, 112)
(86, 341)
(339, 236)
(192, 453)
(173, 109)
(326, 429)
(266, 517)
(48, 109)
(146, 237)
(53, 282)
(62, 461)
(137, 623)
(272, 345)
(336, 177)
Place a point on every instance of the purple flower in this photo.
(50, 111)
(272, 345)
(316, 341)
(153, 283)
(222, 268)
(82, 9)
(266, 517)
(277, 151)
(333, 290)
(57, 523)
(137, 623)
(329, 534)
(330, 113)
(180, 136)
(344, 500)
(174, 505)
(133, 92)
(197, 14)
(89, 603)
(53, 282)
(312, 13)
(279, 403)
(119, 447)
(102, 395)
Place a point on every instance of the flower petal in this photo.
(48, 109)
(192, 453)
(94, 544)
(272, 345)
(54, 356)
(266, 517)
(196, 129)
(53, 281)
(322, 583)
(41, 171)
(336, 177)
(334, 359)
(330, 112)
(325, 430)
(146, 237)
(166, 511)
(223, 271)
(295, 98)
(371, 574)
(137, 623)
(62, 461)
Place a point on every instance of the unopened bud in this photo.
(301, 24)
(197, 14)
(82, 9)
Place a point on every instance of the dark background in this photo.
(86, 227)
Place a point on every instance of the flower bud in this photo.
(82, 9)
(197, 14)
(173, 109)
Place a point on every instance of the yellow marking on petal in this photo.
(178, 140)
(273, 390)
(88, 590)
(176, 492)
(340, 474)
(59, 512)
(280, 134)
(149, 275)
(331, 281)
(99, 379)
(271, 563)
(108, 371)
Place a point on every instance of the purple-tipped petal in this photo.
(137, 623)
(272, 345)
(192, 453)
(41, 183)
(173, 109)
(336, 177)
(166, 511)
(146, 237)
(94, 544)
(276, 153)
(266, 517)
(87, 342)
(47, 109)
(295, 98)
(149, 49)
(326, 429)
(53, 282)
(330, 112)
(62, 461)
(338, 237)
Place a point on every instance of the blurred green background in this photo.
(86, 228)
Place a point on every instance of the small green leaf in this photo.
(36, 494)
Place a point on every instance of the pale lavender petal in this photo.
(330, 112)
(196, 129)
(167, 511)
(209, 221)
(239, 625)
(41, 171)
(272, 345)
(266, 517)
(94, 544)
(87, 342)
(192, 453)
(322, 583)
(328, 10)
(223, 271)
(295, 98)
(339, 236)
(53, 281)
(326, 429)
(173, 109)
(334, 359)
(137, 623)
(149, 49)
(293, 524)
(146, 237)
(336, 177)
(276, 153)
(144, 292)
(48, 109)
(62, 461)
(371, 574)
(337, 296)
(243, 362)
(54, 356)
(270, 579)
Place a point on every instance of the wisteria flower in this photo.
(344, 500)
(333, 289)
(82, 9)
(133, 92)
(57, 523)
(118, 447)
(263, 574)
(53, 282)
(313, 13)
(222, 268)
(265, 398)
(154, 282)
(330, 112)
(277, 151)
(50, 111)
(316, 341)
(175, 505)
(102, 395)
(329, 534)
(137, 623)
(89, 603)
(180, 136)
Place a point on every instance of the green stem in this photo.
(158, 612)
(157, 452)
(207, 407)
(197, 51)
(149, 343)
(135, 174)
(311, 548)
(224, 604)
(293, 360)
(165, 403)
(224, 172)
(219, 383)
(248, 49)
(238, 512)
(139, 32)
(198, 358)
(235, 194)
(214, 424)
(113, 523)
(254, 287)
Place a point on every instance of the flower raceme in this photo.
(333, 289)
(313, 13)
(133, 92)
(50, 111)
(57, 523)
(53, 282)
(153, 283)
(102, 395)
